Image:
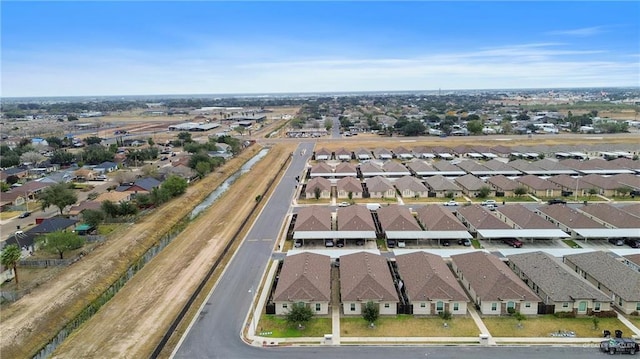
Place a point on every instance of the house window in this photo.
(353, 307)
(318, 307)
(439, 306)
(284, 306)
(424, 305)
(638, 306)
(386, 305)
(527, 305)
(596, 306)
(456, 306)
(494, 307)
(565, 305)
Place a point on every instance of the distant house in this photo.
(141, 185)
(84, 174)
(471, 185)
(27, 239)
(20, 172)
(365, 277)
(323, 154)
(493, 287)
(114, 196)
(503, 186)
(304, 278)
(540, 187)
(440, 186)
(322, 184)
(321, 169)
(106, 167)
(430, 286)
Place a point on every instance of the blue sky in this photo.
(136, 48)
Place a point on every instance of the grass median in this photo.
(545, 325)
(409, 326)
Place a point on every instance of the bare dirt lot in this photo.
(32, 321)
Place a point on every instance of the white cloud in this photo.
(123, 72)
(585, 31)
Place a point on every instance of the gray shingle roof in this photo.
(397, 218)
(612, 215)
(355, 218)
(349, 184)
(553, 277)
(437, 218)
(622, 280)
(313, 218)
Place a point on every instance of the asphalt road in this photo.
(215, 333)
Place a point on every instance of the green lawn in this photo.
(277, 327)
(624, 199)
(544, 325)
(509, 199)
(104, 229)
(571, 243)
(409, 326)
(476, 244)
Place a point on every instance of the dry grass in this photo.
(277, 327)
(409, 326)
(322, 201)
(543, 326)
(8, 215)
(634, 319)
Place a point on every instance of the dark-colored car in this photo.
(464, 242)
(619, 345)
(616, 241)
(557, 201)
(340, 243)
(24, 214)
(512, 242)
(445, 242)
(391, 243)
(633, 243)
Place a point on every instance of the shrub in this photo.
(445, 315)
(606, 314)
(565, 315)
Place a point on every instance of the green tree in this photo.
(59, 242)
(240, 130)
(623, 190)
(32, 157)
(413, 128)
(126, 208)
(484, 192)
(370, 312)
(109, 208)
(150, 141)
(10, 257)
(92, 217)
(203, 168)
(328, 124)
(475, 127)
(55, 142)
(316, 192)
(298, 314)
(185, 137)
(93, 140)
(520, 191)
(174, 185)
(59, 195)
(4, 186)
(62, 157)
(593, 191)
(449, 195)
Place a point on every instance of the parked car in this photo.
(340, 243)
(616, 241)
(297, 243)
(24, 214)
(512, 242)
(633, 243)
(464, 242)
(343, 204)
(491, 207)
(557, 201)
(328, 243)
(445, 242)
(401, 244)
(451, 203)
(391, 243)
(489, 202)
(619, 345)
(360, 242)
(102, 178)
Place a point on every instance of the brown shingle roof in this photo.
(313, 218)
(370, 167)
(480, 218)
(611, 215)
(322, 183)
(569, 183)
(410, 183)
(490, 278)
(378, 184)
(349, 184)
(427, 277)
(599, 181)
(470, 182)
(437, 218)
(568, 216)
(441, 183)
(525, 218)
(397, 218)
(503, 183)
(633, 209)
(537, 183)
(355, 218)
(346, 167)
(365, 276)
(304, 277)
(392, 166)
(321, 167)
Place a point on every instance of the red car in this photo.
(512, 242)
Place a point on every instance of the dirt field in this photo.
(30, 322)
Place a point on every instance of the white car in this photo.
(343, 204)
(451, 203)
(489, 202)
